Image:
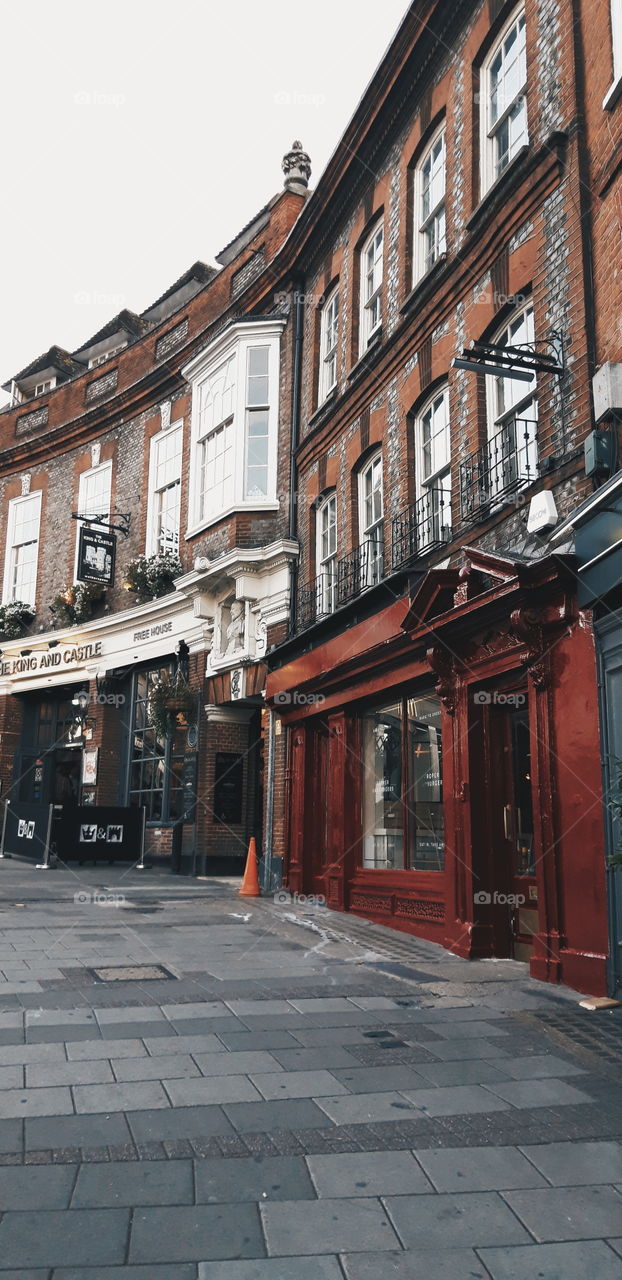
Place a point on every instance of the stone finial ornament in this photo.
(296, 166)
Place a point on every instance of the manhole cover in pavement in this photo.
(137, 973)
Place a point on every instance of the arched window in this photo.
(326, 554)
(371, 513)
(512, 411)
(329, 332)
(371, 286)
(429, 206)
(503, 100)
(432, 471)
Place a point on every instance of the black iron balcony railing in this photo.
(507, 463)
(421, 528)
(341, 581)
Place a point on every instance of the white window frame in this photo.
(41, 388)
(152, 546)
(509, 399)
(234, 344)
(329, 337)
(101, 469)
(615, 88)
(14, 504)
(371, 261)
(433, 483)
(326, 554)
(435, 218)
(95, 361)
(371, 534)
(489, 129)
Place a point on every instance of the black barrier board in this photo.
(98, 833)
(96, 556)
(26, 831)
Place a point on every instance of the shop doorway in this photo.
(506, 894)
(48, 765)
(318, 808)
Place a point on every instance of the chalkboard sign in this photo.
(190, 787)
(228, 788)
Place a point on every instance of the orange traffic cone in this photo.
(250, 884)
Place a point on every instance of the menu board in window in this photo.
(228, 788)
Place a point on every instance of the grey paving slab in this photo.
(462, 1050)
(60, 1017)
(473, 1071)
(273, 1269)
(173, 1066)
(179, 1271)
(568, 1213)
(539, 1066)
(115, 1184)
(539, 1093)
(201, 1009)
(616, 1245)
(22, 1053)
(11, 1135)
(211, 1089)
(36, 1187)
(136, 1030)
(46, 1133)
(472, 1030)
(80, 1051)
(312, 1037)
(328, 1057)
(554, 1262)
(136, 1013)
(479, 1169)
(255, 1179)
(250, 1041)
(52, 1035)
(226, 1064)
(49, 1238)
(568, 1164)
(260, 1008)
(11, 1077)
(443, 1264)
(297, 1084)
(179, 1122)
(326, 1226)
(200, 1233)
(367, 1173)
(268, 1117)
(16, 1103)
(380, 1079)
(42, 1074)
(199, 1026)
(323, 1004)
(366, 1108)
(142, 1095)
(181, 1044)
(455, 1221)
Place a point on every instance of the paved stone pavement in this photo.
(292, 1095)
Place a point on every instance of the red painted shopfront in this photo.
(444, 773)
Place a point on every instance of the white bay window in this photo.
(235, 386)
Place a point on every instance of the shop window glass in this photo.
(425, 791)
(156, 763)
(383, 814)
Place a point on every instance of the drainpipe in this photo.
(295, 431)
(268, 874)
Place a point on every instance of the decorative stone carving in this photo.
(165, 414)
(297, 168)
(236, 629)
(442, 664)
(261, 634)
(96, 453)
(527, 626)
(25, 484)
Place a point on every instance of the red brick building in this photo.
(439, 683)
(172, 427)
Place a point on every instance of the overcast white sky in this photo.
(140, 135)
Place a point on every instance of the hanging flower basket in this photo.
(149, 577)
(75, 603)
(168, 700)
(14, 619)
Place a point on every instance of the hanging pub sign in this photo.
(96, 556)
